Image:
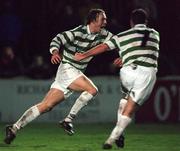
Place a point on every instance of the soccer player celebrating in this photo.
(69, 75)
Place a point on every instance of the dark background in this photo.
(29, 25)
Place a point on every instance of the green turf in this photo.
(89, 137)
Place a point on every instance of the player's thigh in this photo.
(53, 97)
(82, 83)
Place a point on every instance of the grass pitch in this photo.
(90, 137)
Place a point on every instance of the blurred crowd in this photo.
(27, 27)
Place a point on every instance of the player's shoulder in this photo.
(126, 32)
(154, 31)
(79, 28)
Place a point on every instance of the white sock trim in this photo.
(31, 114)
(36, 110)
(81, 101)
(122, 104)
(119, 129)
(125, 121)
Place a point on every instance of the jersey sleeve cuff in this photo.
(51, 49)
(110, 45)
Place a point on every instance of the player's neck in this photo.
(93, 28)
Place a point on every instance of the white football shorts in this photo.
(138, 82)
(65, 75)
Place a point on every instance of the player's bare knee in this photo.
(93, 91)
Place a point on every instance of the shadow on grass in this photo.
(6, 145)
(2, 145)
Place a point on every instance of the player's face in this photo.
(101, 21)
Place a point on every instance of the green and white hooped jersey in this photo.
(130, 49)
(78, 40)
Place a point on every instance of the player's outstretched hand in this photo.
(117, 62)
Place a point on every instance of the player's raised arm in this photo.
(92, 52)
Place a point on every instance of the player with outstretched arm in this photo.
(70, 76)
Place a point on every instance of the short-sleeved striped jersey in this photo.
(130, 46)
(78, 40)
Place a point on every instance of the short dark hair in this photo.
(139, 16)
(92, 15)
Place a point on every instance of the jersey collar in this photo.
(88, 29)
(140, 25)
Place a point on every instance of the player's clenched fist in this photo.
(55, 58)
